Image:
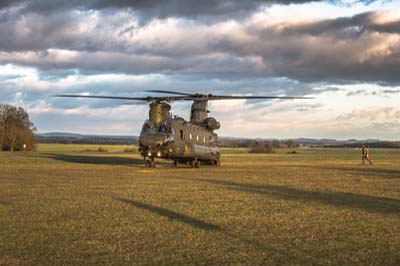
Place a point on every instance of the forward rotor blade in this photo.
(170, 92)
(102, 97)
(148, 99)
(189, 97)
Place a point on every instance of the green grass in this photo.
(65, 206)
(59, 148)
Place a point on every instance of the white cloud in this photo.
(278, 49)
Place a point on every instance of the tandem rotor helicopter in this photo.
(171, 137)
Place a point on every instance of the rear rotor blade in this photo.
(198, 96)
(220, 97)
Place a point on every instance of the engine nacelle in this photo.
(211, 123)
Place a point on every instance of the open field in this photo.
(65, 205)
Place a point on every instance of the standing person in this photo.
(365, 155)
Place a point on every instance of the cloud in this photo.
(391, 91)
(324, 116)
(330, 51)
(32, 85)
(347, 27)
(364, 47)
(371, 114)
(160, 9)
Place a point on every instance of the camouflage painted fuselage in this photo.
(180, 140)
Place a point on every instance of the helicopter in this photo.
(171, 137)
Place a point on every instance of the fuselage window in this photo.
(182, 136)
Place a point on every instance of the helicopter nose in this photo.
(151, 140)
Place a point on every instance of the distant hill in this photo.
(310, 142)
(73, 138)
(59, 135)
(333, 142)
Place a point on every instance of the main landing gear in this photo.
(151, 163)
(195, 163)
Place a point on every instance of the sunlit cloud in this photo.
(343, 53)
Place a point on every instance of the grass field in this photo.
(65, 205)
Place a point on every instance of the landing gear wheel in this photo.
(197, 164)
(150, 164)
(176, 162)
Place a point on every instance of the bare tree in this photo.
(14, 135)
(15, 129)
(291, 143)
(261, 147)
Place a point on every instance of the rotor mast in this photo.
(199, 111)
(159, 112)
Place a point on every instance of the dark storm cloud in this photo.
(350, 27)
(37, 32)
(189, 8)
(348, 49)
(149, 9)
(357, 48)
(8, 3)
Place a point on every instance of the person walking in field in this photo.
(365, 155)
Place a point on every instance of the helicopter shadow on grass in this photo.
(100, 160)
(186, 219)
(200, 224)
(332, 198)
(361, 171)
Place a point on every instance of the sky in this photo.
(345, 54)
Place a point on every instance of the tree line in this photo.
(258, 146)
(16, 130)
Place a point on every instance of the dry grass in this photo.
(318, 207)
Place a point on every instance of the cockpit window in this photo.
(162, 128)
(152, 128)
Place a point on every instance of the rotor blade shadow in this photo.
(333, 198)
(196, 223)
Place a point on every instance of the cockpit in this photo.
(155, 128)
(156, 134)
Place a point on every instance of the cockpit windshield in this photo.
(153, 128)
